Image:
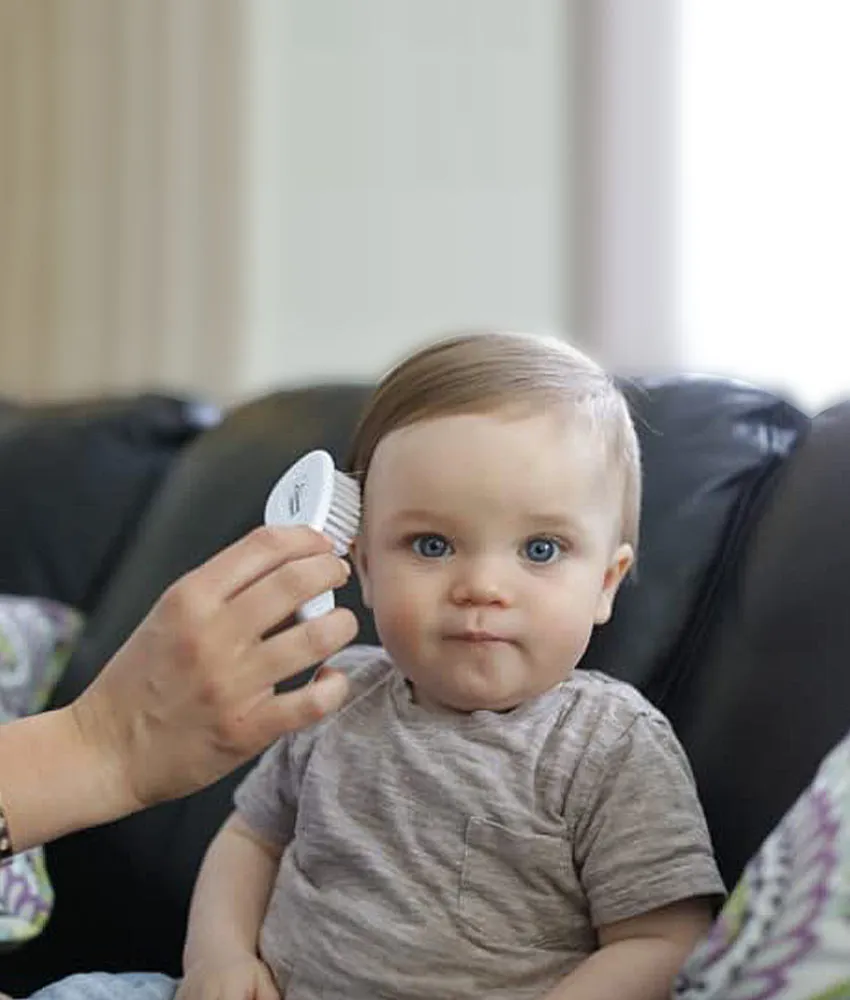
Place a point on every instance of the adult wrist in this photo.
(54, 781)
(7, 848)
(101, 753)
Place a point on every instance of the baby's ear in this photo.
(620, 564)
(357, 554)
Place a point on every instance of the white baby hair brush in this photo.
(314, 492)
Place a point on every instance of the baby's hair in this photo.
(490, 371)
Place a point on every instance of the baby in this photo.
(481, 819)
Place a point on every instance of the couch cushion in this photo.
(138, 873)
(710, 448)
(74, 481)
(215, 494)
(711, 451)
(767, 694)
(36, 637)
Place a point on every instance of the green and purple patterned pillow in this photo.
(784, 933)
(36, 638)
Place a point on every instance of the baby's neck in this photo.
(437, 707)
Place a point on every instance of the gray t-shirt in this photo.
(453, 856)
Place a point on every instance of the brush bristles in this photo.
(344, 514)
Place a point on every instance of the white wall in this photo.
(765, 193)
(409, 176)
(121, 195)
(204, 195)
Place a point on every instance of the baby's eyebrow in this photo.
(574, 528)
(413, 514)
(551, 520)
(420, 519)
(528, 521)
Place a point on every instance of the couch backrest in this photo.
(712, 451)
(75, 480)
(767, 693)
(214, 495)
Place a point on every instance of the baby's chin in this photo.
(490, 686)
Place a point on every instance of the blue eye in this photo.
(542, 550)
(431, 546)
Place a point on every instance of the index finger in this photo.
(247, 560)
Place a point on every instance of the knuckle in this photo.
(188, 639)
(273, 539)
(320, 637)
(265, 539)
(183, 607)
(325, 635)
(203, 687)
(307, 578)
(230, 731)
(315, 639)
(178, 600)
(312, 708)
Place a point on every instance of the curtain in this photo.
(120, 194)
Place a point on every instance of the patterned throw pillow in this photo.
(36, 637)
(784, 934)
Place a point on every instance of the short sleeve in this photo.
(266, 798)
(641, 840)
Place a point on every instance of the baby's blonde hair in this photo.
(486, 372)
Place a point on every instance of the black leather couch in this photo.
(737, 623)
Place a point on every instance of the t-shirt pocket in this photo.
(515, 886)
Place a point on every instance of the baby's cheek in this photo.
(398, 615)
(570, 637)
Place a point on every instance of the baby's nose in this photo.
(480, 581)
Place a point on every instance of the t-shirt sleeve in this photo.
(266, 798)
(641, 841)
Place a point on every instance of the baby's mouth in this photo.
(478, 637)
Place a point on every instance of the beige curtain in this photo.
(120, 163)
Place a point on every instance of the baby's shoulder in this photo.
(364, 666)
(607, 731)
(367, 669)
(604, 709)
(609, 690)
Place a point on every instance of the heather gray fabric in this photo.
(466, 855)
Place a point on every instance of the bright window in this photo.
(765, 107)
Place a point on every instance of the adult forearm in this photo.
(190, 695)
(638, 969)
(54, 781)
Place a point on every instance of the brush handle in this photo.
(319, 605)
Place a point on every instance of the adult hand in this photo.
(190, 695)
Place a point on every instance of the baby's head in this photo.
(501, 486)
